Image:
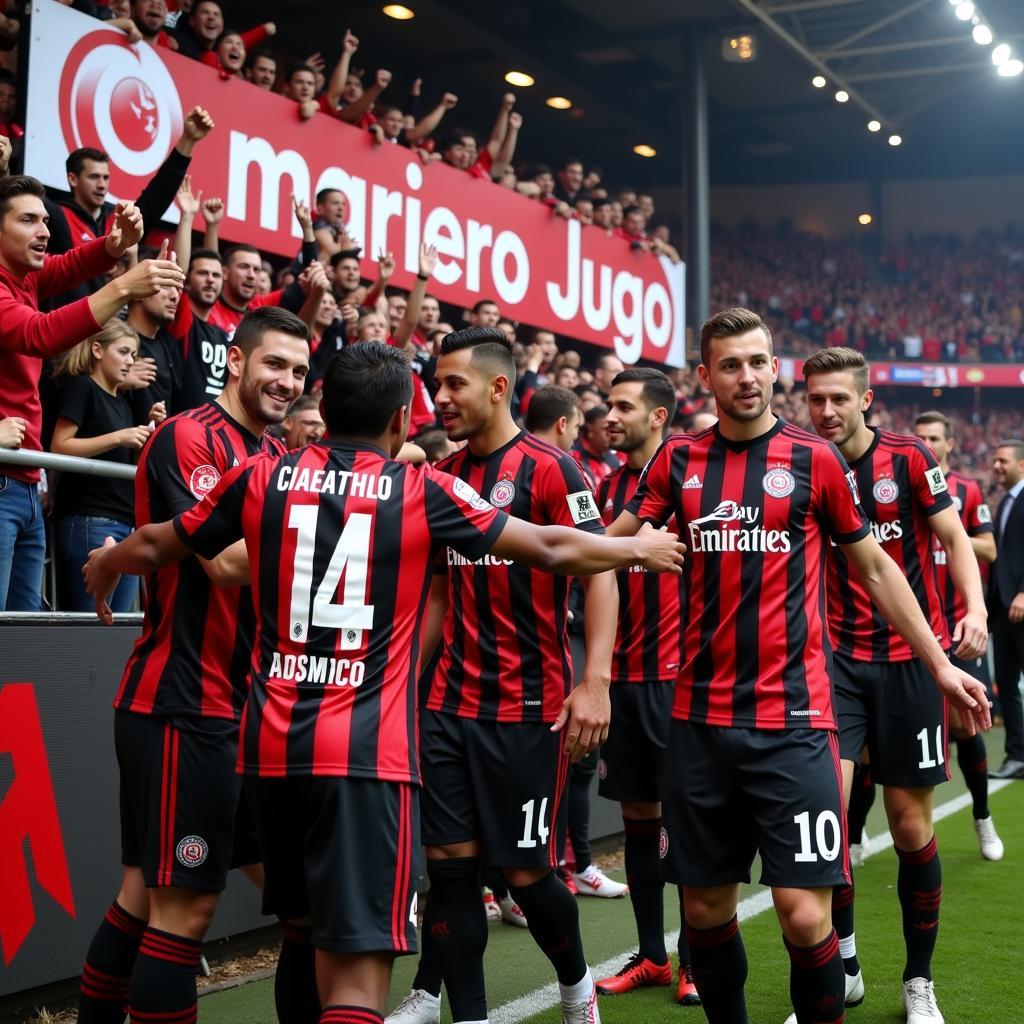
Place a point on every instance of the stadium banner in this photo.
(87, 86)
(928, 375)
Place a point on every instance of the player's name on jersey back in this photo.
(334, 481)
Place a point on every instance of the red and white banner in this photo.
(929, 375)
(89, 87)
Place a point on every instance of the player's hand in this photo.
(149, 277)
(350, 43)
(584, 717)
(157, 412)
(198, 124)
(448, 100)
(971, 636)
(213, 210)
(1016, 608)
(302, 214)
(968, 696)
(660, 551)
(100, 583)
(307, 108)
(126, 231)
(428, 259)
(386, 264)
(185, 200)
(134, 437)
(12, 432)
(383, 79)
(141, 374)
(515, 120)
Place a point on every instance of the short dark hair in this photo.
(592, 415)
(583, 389)
(1016, 444)
(240, 247)
(569, 161)
(255, 55)
(77, 157)
(345, 254)
(453, 137)
(934, 416)
(250, 330)
(18, 185)
(325, 192)
(363, 386)
(729, 323)
(601, 359)
(302, 403)
(632, 208)
(537, 170)
(657, 391)
(481, 303)
(294, 69)
(434, 443)
(205, 254)
(548, 405)
(488, 343)
(839, 360)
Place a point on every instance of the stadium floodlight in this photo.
(865, 219)
(1001, 54)
(519, 78)
(895, 140)
(874, 126)
(642, 149)
(1011, 68)
(819, 81)
(982, 34)
(842, 96)
(558, 102)
(964, 10)
(399, 12)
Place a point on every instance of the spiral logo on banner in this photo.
(121, 99)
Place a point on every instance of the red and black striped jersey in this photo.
(966, 496)
(900, 486)
(755, 517)
(595, 467)
(192, 658)
(506, 650)
(341, 542)
(649, 642)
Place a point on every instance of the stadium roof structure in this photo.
(911, 64)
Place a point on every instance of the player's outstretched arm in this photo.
(896, 601)
(143, 551)
(971, 633)
(627, 525)
(576, 553)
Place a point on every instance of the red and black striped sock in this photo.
(972, 757)
(338, 1014)
(817, 983)
(842, 921)
(646, 888)
(719, 964)
(107, 972)
(295, 995)
(920, 890)
(164, 980)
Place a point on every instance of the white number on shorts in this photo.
(927, 761)
(351, 555)
(828, 845)
(528, 842)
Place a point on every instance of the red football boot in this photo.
(639, 972)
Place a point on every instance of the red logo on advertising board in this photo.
(121, 99)
(28, 810)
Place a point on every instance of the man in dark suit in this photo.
(1006, 601)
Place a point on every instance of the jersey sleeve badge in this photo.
(936, 481)
(582, 507)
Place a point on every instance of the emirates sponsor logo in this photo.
(721, 536)
(887, 531)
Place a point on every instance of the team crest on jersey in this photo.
(192, 851)
(663, 843)
(503, 493)
(779, 482)
(202, 481)
(582, 507)
(936, 481)
(469, 496)
(602, 769)
(885, 491)
(984, 515)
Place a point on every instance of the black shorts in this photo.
(346, 853)
(179, 799)
(897, 712)
(729, 793)
(501, 783)
(633, 756)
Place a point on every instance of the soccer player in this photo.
(752, 758)
(935, 430)
(884, 696)
(181, 698)
(341, 541)
(644, 668)
(495, 765)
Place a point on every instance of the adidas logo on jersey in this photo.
(693, 484)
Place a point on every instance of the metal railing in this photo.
(63, 464)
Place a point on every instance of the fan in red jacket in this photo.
(27, 337)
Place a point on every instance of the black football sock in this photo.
(972, 757)
(107, 972)
(337, 1014)
(554, 922)
(817, 985)
(428, 970)
(719, 964)
(646, 889)
(578, 810)
(683, 944)
(920, 892)
(164, 980)
(457, 923)
(295, 994)
(494, 880)
(862, 796)
(842, 921)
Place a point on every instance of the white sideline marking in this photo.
(516, 1010)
